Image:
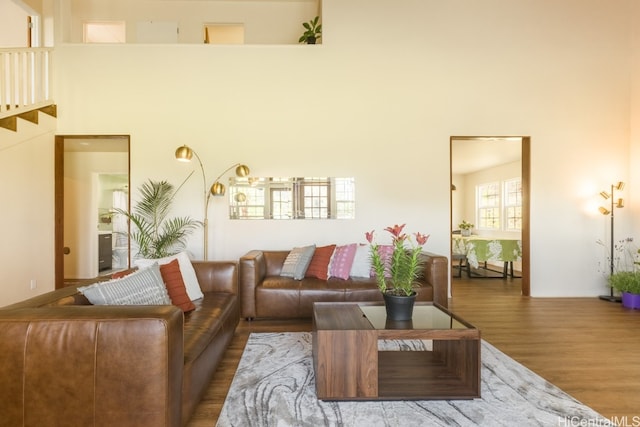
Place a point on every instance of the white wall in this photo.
(26, 171)
(13, 22)
(382, 109)
(379, 100)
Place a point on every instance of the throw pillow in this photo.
(123, 273)
(144, 287)
(175, 286)
(319, 266)
(342, 261)
(361, 262)
(186, 268)
(296, 263)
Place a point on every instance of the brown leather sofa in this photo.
(65, 362)
(265, 294)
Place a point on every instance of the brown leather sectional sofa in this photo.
(265, 294)
(64, 362)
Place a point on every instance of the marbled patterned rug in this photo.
(274, 386)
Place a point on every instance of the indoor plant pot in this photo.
(630, 300)
(396, 269)
(399, 307)
(465, 228)
(627, 283)
(312, 31)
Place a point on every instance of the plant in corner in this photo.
(313, 31)
(156, 235)
(627, 283)
(396, 273)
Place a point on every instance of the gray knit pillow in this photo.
(297, 262)
(144, 287)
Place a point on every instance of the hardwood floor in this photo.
(587, 347)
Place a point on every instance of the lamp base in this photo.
(610, 298)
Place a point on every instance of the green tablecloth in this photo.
(481, 249)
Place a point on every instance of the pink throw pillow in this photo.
(342, 261)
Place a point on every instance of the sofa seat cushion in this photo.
(202, 324)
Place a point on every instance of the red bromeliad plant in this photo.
(398, 274)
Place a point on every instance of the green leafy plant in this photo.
(464, 225)
(403, 267)
(313, 31)
(626, 281)
(153, 232)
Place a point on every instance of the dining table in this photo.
(481, 249)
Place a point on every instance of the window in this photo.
(104, 32)
(488, 202)
(499, 205)
(513, 204)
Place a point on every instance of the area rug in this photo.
(274, 386)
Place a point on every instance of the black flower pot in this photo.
(399, 307)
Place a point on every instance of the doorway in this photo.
(91, 183)
(484, 156)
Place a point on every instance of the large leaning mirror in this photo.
(292, 198)
(91, 184)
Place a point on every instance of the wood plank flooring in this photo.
(587, 347)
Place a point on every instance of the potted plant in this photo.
(465, 228)
(396, 268)
(313, 31)
(154, 234)
(628, 284)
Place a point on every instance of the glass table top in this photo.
(424, 317)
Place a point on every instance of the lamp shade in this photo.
(604, 211)
(184, 154)
(242, 170)
(218, 189)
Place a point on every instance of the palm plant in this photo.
(156, 235)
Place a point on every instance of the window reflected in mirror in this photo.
(291, 198)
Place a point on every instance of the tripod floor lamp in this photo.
(185, 154)
(619, 203)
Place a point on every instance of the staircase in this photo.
(25, 86)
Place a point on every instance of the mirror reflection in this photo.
(291, 198)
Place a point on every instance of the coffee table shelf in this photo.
(349, 364)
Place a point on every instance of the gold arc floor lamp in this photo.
(619, 203)
(185, 154)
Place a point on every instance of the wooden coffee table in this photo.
(348, 364)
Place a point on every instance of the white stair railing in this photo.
(25, 80)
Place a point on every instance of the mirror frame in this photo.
(59, 198)
(525, 142)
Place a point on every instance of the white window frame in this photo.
(510, 204)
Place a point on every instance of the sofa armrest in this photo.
(253, 269)
(119, 365)
(436, 273)
(217, 276)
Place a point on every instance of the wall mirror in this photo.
(291, 198)
(490, 189)
(91, 182)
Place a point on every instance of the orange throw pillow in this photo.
(319, 266)
(172, 278)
